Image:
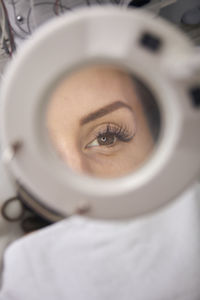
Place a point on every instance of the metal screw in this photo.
(10, 152)
(20, 19)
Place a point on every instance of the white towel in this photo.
(153, 258)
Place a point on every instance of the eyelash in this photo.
(120, 132)
(113, 132)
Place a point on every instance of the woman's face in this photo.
(97, 123)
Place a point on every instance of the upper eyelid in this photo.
(115, 128)
(103, 130)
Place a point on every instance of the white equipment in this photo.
(159, 55)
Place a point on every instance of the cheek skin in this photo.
(123, 162)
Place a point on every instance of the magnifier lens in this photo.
(103, 121)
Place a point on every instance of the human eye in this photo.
(109, 135)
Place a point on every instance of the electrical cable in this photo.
(7, 34)
(2, 22)
(9, 30)
(56, 5)
(33, 10)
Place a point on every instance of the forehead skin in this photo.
(88, 90)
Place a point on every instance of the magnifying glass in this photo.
(100, 115)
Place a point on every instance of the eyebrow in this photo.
(104, 111)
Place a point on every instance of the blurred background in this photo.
(19, 18)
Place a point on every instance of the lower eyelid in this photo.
(104, 150)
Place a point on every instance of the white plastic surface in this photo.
(99, 35)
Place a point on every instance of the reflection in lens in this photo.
(103, 121)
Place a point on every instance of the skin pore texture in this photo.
(97, 124)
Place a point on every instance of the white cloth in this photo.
(154, 258)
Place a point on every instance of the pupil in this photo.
(106, 140)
